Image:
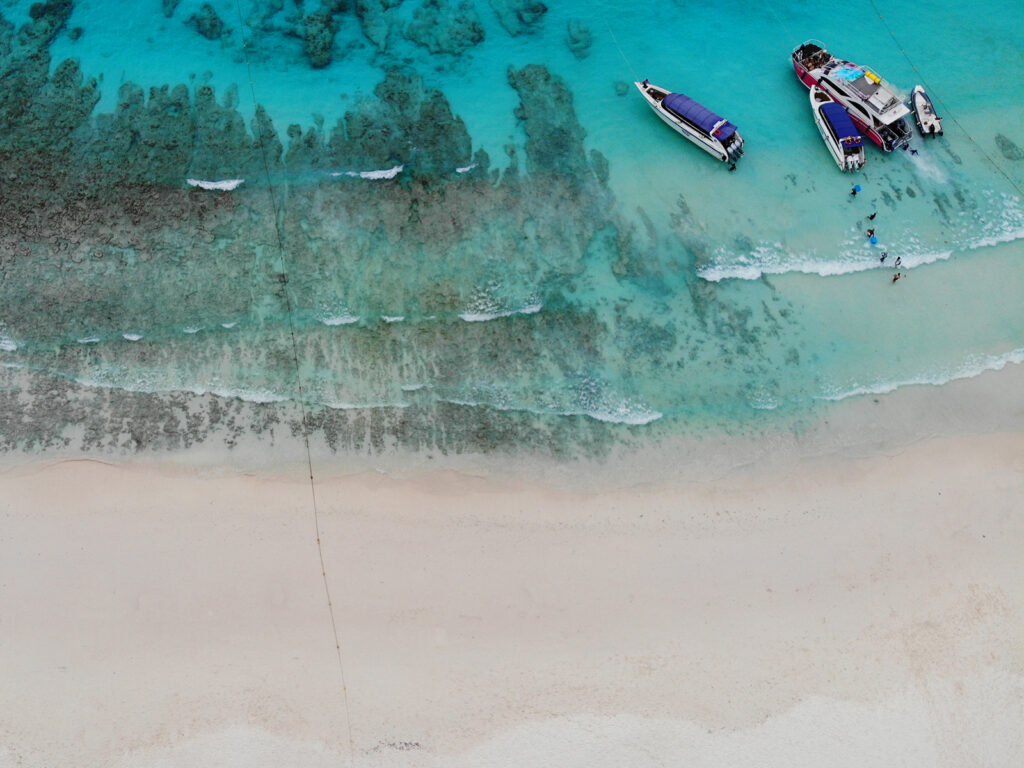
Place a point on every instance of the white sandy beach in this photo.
(855, 612)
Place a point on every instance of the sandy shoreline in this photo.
(853, 611)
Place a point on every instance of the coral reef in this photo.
(207, 23)
(578, 38)
(379, 21)
(441, 26)
(169, 6)
(1008, 148)
(318, 30)
(140, 313)
(519, 16)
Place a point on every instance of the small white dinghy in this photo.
(928, 122)
(715, 135)
(837, 130)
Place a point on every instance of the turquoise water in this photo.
(456, 225)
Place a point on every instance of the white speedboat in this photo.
(838, 131)
(875, 106)
(928, 122)
(714, 134)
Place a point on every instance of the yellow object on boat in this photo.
(872, 77)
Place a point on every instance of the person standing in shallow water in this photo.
(853, 192)
(896, 277)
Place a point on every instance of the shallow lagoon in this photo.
(499, 246)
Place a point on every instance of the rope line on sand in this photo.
(298, 380)
(945, 107)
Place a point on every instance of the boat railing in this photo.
(811, 54)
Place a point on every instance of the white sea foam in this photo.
(89, 340)
(386, 173)
(132, 336)
(975, 365)
(1009, 226)
(248, 395)
(412, 387)
(225, 185)
(465, 168)
(229, 325)
(344, 405)
(7, 345)
(392, 318)
(342, 319)
(479, 316)
(623, 413)
(925, 164)
(193, 329)
(776, 261)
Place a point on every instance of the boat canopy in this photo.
(699, 115)
(841, 123)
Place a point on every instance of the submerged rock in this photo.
(207, 23)
(442, 27)
(169, 7)
(519, 16)
(554, 136)
(1010, 150)
(578, 38)
(406, 125)
(378, 20)
(318, 30)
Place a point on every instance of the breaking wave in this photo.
(775, 260)
(481, 316)
(225, 185)
(385, 173)
(973, 366)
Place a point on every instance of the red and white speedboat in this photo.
(876, 107)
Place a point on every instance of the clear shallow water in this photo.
(454, 266)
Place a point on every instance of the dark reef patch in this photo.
(519, 17)
(207, 23)
(318, 30)
(578, 38)
(442, 26)
(1008, 148)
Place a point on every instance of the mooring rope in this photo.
(621, 52)
(302, 400)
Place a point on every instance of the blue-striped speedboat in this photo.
(715, 135)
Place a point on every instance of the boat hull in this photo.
(653, 95)
(928, 123)
(899, 133)
(847, 162)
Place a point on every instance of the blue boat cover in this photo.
(698, 114)
(841, 123)
(848, 72)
